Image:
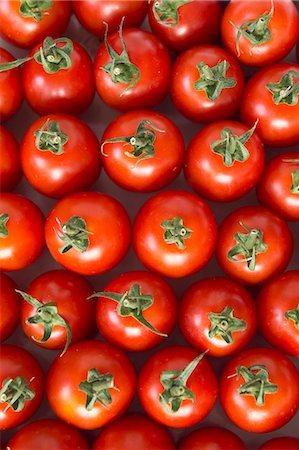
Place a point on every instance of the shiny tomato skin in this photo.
(212, 295)
(9, 307)
(68, 402)
(11, 94)
(276, 235)
(25, 240)
(279, 407)
(26, 32)
(152, 59)
(10, 167)
(17, 362)
(297, 51)
(206, 171)
(150, 174)
(195, 105)
(281, 443)
(209, 438)
(134, 432)
(60, 175)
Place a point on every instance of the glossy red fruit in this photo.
(9, 307)
(281, 443)
(11, 94)
(208, 438)
(10, 167)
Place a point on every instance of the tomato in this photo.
(195, 95)
(281, 443)
(177, 387)
(174, 233)
(134, 432)
(259, 390)
(261, 32)
(217, 314)
(224, 161)
(183, 24)
(278, 187)
(21, 232)
(132, 70)
(297, 51)
(254, 244)
(60, 155)
(209, 438)
(93, 14)
(142, 151)
(91, 384)
(9, 307)
(129, 309)
(25, 23)
(11, 94)
(88, 232)
(10, 169)
(45, 434)
(21, 386)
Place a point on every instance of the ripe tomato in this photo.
(281, 443)
(91, 384)
(259, 390)
(209, 438)
(21, 386)
(9, 307)
(184, 24)
(21, 232)
(88, 232)
(177, 387)
(10, 168)
(254, 244)
(132, 70)
(271, 96)
(195, 95)
(11, 94)
(60, 155)
(134, 432)
(174, 233)
(217, 314)
(261, 32)
(129, 309)
(25, 23)
(142, 151)
(224, 161)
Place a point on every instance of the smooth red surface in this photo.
(11, 95)
(281, 443)
(10, 167)
(9, 307)
(211, 438)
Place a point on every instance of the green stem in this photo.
(175, 232)
(96, 387)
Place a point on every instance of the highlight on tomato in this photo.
(10, 167)
(9, 307)
(11, 93)
(211, 437)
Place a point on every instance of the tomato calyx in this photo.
(35, 8)
(213, 79)
(50, 138)
(96, 388)
(286, 90)
(293, 314)
(295, 182)
(175, 232)
(15, 392)
(250, 245)
(224, 323)
(4, 217)
(166, 11)
(74, 233)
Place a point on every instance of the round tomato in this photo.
(21, 232)
(259, 390)
(11, 94)
(91, 384)
(142, 151)
(132, 70)
(174, 233)
(217, 314)
(261, 32)
(224, 160)
(21, 386)
(60, 155)
(10, 167)
(281, 443)
(209, 438)
(177, 387)
(77, 235)
(254, 244)
(9, 307)
(297, 51)
(195, 95)
(129, 309)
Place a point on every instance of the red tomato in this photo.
(297, 51)
(192, 91)
(185, 24)
(281, 443)
(254, 244)
(9, 307)
(91, 384)
(176, 387)
(11, 94)
(174, 233)
(211, 438)
(271, 97)
(10, 169)
(21, 386)
(134, 432)
(132, 70)
(25, 23)
(259, 390)
(130, 316)
(260, 32)
(60, 155)
(278, 187)
(224, 161)
(142, 151)
(217, 314)
(21, 232)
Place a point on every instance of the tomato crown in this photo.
(96, 388)
(15, 392)
(4, 218)
(213, 80)
(166, 11)
(50, 138)
(35, 8)
(224, 323)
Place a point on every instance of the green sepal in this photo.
(74, 233)
(4, 217)
(166, 11)
(286, 90)
(35, 8)
(50, 138)
(224, 323)
(175, 232)
(96, 388)
(15, 392)
(295, 182)
(293, 314)
(213, 79)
